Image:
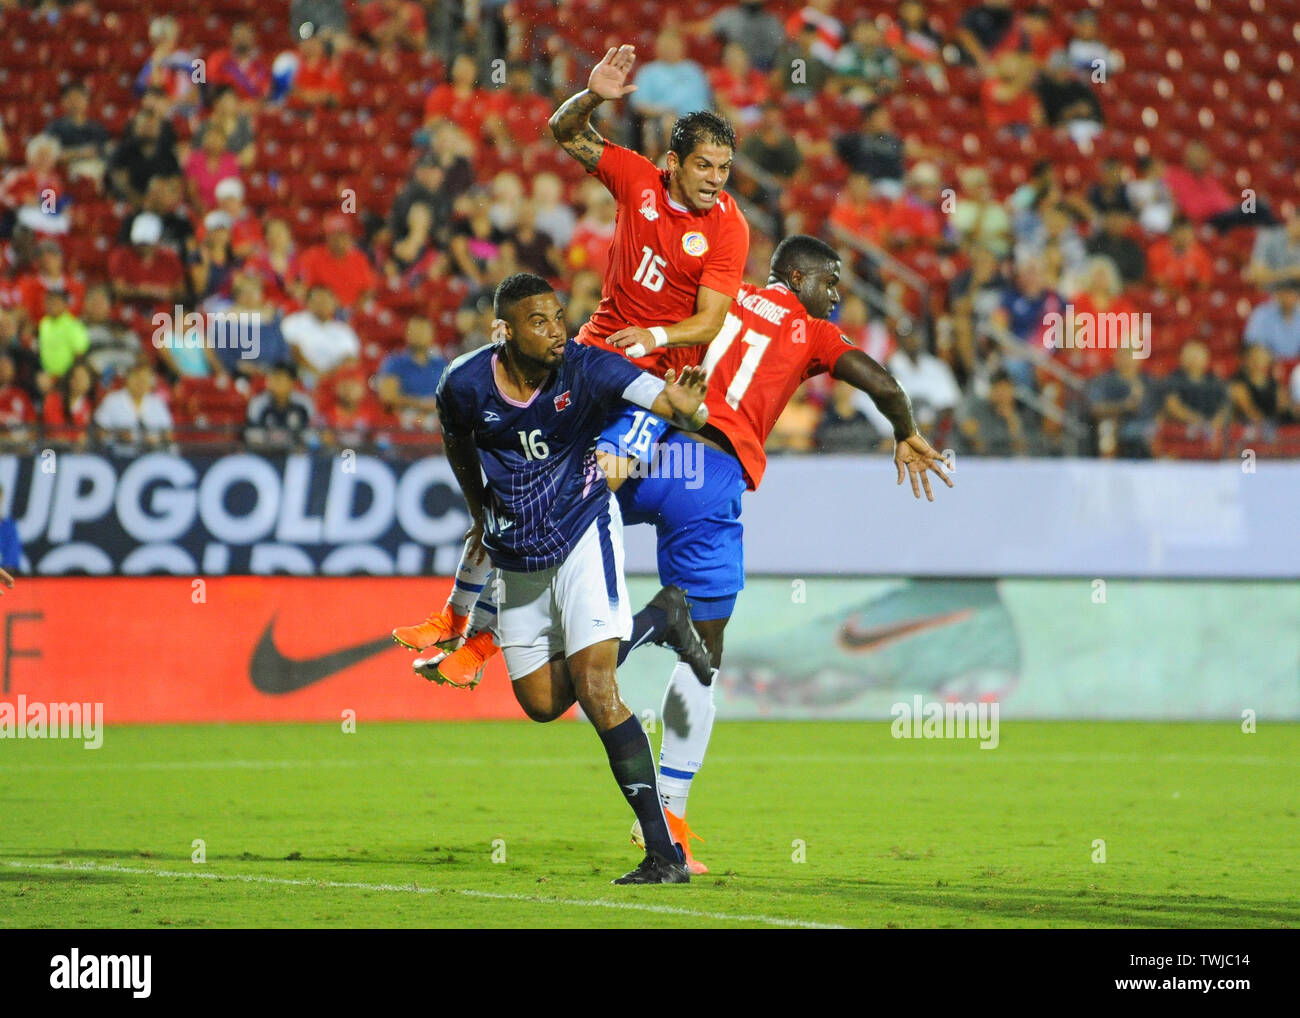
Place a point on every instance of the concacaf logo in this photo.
(694, 244)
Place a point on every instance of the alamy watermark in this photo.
(948, 720)
(216, 330)
(1087, 330)
(37, 720)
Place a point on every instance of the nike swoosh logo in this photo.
(856, 638)
(275, 674)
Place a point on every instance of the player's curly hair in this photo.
(699, 127)
(511, 290)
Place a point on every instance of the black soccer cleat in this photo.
(656, 869)
(682, 635)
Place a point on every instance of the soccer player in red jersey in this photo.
(676, 261)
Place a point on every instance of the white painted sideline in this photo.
(247, 878)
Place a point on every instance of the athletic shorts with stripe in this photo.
(567, 607)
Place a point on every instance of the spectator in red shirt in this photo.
(70, 406)
(354, 411)
(1007, 97)
(245, 231)
(739, 89)
(914, 217)
(517, 114)
(145, 274)
(240, 65)
(393, 23)
(1178, 262)
(459, 100)
(16, 410)
(1102, 294)
(859, 212)
(338, 265)
(207, 166)
(592, 237)
(50, 274)
(276, 264)
(25, 189)
(1202, 199)
(319, 78)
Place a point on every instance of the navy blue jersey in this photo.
(539, 458)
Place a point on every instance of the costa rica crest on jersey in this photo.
(694, 243)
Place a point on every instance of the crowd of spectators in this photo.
(343, 184)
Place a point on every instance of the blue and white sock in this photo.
(688, 714)
(471, 578)
(484, 615)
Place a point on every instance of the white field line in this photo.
(246, 878)
(1004, 756)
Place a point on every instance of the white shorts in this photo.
(569, 606)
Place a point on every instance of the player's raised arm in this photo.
(682, 399)
(912, 453)
(571, 123)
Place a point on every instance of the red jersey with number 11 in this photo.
(768, 346)
(661, 255)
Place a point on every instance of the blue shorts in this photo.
(632, 433)
(692, 495)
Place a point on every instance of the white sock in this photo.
(484, 614)
(687, 718)
(471, 578)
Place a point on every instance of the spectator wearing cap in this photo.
(213, 262)
(145, 274)
(17, 412)
(240, 65)
(135, 413)
(1193, 395)
(1178, 261)
(234, 123)
(280, 415)
(162, 198)
(49, 273)
(338, 265)
(319, 342)
(142, 153)
(61, 336)
(1275, 324)
(207, 165)
(407, 379)
(245, 230)
(1276, 255)
(84, 141)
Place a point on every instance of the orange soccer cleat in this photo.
(462, 668)
(441, 630)
(680, 833)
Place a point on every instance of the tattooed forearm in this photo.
(571, 125)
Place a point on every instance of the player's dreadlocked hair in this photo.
(802, 252)
(511, 290)
(701, 126)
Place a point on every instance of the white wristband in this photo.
(659, 337)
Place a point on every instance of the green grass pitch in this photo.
(395, 825)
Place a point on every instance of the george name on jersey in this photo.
(765, 308)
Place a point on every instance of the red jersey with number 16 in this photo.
(767, 347)
(661, 255)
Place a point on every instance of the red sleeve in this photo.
(624, 173)
(826, 345)
(724, 268)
